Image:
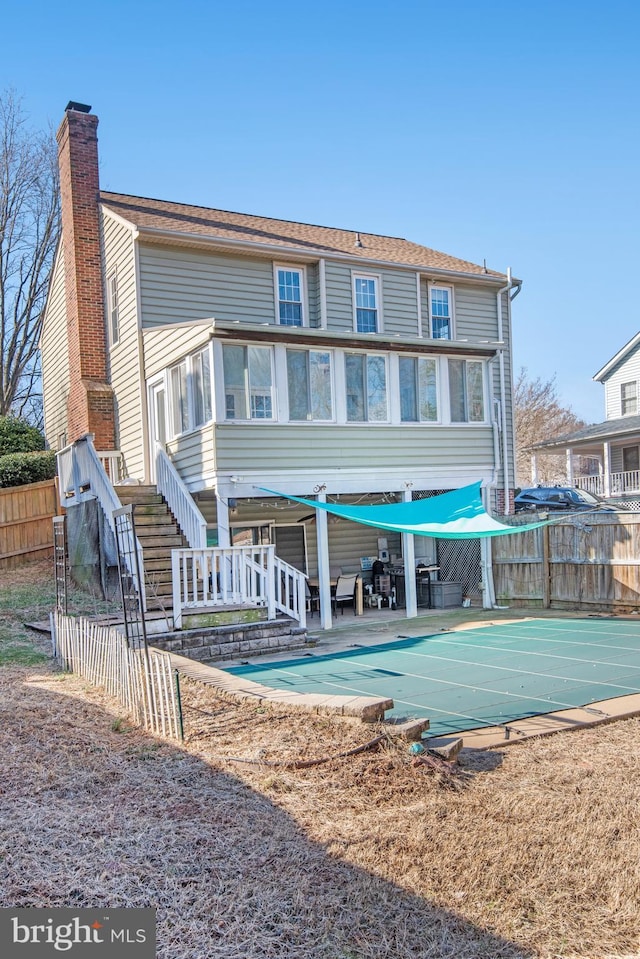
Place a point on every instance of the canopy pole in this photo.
(409, 556)
(324, 577)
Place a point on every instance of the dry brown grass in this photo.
(528, 851)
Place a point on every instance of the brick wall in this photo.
(90, 406)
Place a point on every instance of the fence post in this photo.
(546, 569)
(177, 588)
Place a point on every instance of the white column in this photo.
(607, 469)
(224, 531)
(569, 458)
(534, 470)
(409, 556)
(324, 577)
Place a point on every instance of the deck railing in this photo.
(619, 483)
(251, 576)
(180, 502)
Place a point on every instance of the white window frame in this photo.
(368, 422)
(630, 397)
(398, 397)
(356, 275)
(274, 392)
(285, 373)
(113, 308)
(485, 407)
(302, 271)
(189, 364)
(433, 287)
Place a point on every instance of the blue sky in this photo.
(502, 131)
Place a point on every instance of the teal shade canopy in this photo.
(458, 514)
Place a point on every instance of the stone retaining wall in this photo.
(229, 642)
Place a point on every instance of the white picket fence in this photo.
(142, 680)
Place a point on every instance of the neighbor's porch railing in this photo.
(171, 486)
(626, 482)
(82, 477)
(250, 576)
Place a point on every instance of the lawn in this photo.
(527, 851)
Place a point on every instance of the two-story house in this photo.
(260, 353)
(604, 458)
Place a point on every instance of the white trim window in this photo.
(418, 389)
(366, 388)
(113, 309)
(289, 286)
(190, 388)
(248, 382)
(629, 399)
(466, 391)
(309, 385)
(441, 312)
(365, 304)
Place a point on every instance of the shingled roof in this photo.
(201, 222)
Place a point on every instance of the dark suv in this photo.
(547, 498)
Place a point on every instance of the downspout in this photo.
(503, 390)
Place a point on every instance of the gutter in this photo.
(503, 390)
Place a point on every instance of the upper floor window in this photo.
(418, 389)
(629, 398)
(366, 382)
(290, 295)
(440, 312)
(190, 384)
(113, 309)
(365, 294)
(248, 382)
(466, 391)
(309, 385)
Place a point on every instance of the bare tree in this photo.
(539, 416)
(29, 226)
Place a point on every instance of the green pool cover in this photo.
(472, 678)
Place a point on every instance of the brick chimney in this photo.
(90, 405)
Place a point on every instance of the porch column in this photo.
(409, 556)
(569, 457)
(534, 470)
(607, 469)
(324, 577)
(224, 532)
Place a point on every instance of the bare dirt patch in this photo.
(531, 851)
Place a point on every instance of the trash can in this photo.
(444, 594)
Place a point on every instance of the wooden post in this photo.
(546, 569)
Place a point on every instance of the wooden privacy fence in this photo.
(142, 680)
(582, 559)
(25, 522)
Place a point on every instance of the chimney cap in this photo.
(78, 107)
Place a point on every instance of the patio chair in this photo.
(312, 597)
(345, 593)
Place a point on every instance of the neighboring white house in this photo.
(309, 360)
(604, 458)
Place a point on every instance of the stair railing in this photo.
(180, 501)
(250, 576)
(82, 477)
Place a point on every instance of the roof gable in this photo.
(162, 217)
(620, 356)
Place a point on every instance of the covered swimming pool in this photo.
(471, 678)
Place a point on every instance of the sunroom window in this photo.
(190, 383)
(366, 381)
(466, 391)
(309, 385)
(248, 382)
(418, 389)
(113, 309)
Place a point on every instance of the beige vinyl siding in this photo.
(476, 313)
(339, 297)
(181, 285)
(124, 356)
(193, 455)
(399, 306)
(627, 372)
(165, 346)
(323, 448)
(55, 357)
